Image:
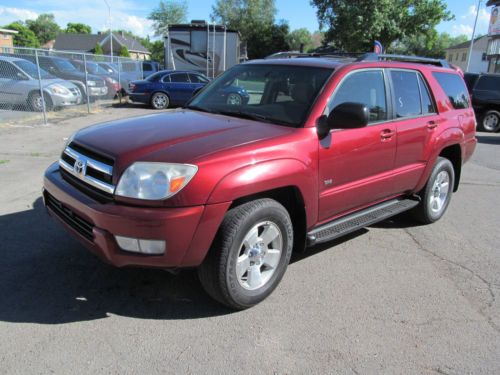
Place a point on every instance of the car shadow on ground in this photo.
(491, 140)
(48, 277)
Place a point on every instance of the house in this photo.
(7, 40)
(87, 42)
(494, 33)
(458, 55)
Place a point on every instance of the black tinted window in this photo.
(470, 80)
(366, 87)
(427, 103)
(195, 78)
(406, 93)
(488, 83)
(179, 77)
(454, 87)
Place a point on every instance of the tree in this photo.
(25, 37)
(98, 49)
(44, 27)
(124, 52)
(299, 38)
(77, 28)
(354, 25)
(431, 45)
(254, 19)
(168, 12)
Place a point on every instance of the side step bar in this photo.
(357, 220)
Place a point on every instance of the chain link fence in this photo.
(40, 86)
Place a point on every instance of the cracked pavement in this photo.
(393, 298)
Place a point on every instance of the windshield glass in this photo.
(29, 68)
(64, 65)
(279, 94)
(108, 68)
(94, 68)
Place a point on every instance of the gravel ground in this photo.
(394, 298)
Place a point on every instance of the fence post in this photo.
(44, 109)
(119, 80)
(86, 82)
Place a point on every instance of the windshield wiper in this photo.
(197, 108)
(256, 117)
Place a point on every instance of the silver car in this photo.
(19, 85)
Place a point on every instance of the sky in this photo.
(132, 14)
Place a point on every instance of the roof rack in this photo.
(403, 58)
(335, 55)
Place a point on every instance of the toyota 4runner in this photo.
(323, 147)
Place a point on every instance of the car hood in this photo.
(181, 136)
(62, 82)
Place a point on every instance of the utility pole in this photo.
(110, 29)
(473, 36)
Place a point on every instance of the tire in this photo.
(82, 93)
(437, 192)
(234, 99)
(35, 102)
(490, 121)
(240, 270)
(160, 100)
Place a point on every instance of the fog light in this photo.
(137, 245)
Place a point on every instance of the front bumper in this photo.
(65, 100)
(187, 231)
(98, 91)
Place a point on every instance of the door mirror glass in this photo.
(20, 76)
(349, 116)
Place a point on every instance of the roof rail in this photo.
(335, 55)
(421, 60)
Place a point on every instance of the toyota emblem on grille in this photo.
(79, 167)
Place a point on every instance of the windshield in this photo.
(29, 68)
(95, 68)
(279, 94)
(108, 68)
(64, 65)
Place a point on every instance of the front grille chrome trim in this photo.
(87, 163)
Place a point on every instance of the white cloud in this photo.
(8, 15)
(467, 19)
(461, 29)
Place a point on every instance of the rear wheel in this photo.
(160, 100)
(491, 121)
(249, 255)
(436, 194)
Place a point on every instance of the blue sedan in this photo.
(169, 88)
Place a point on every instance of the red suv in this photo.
(323, 147)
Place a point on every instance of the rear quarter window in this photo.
(488, 83)
(454, 87)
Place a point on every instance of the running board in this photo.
(355, 221)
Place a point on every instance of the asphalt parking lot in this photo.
(394, 298)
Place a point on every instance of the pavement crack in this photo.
(489, 286)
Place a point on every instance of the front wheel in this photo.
(491, 121)
(36, 102)
(436, 194)
(249, 255)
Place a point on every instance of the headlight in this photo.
(154, 181)
(58, 89)
(91, 83)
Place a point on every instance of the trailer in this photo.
(206, 48)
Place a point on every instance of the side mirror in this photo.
(21, 77)
(349, 116)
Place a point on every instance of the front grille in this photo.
(86, 168)
(76, 222)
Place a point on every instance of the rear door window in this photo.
(488, 83)
(454, 87)
(406, 93)
(179, 78)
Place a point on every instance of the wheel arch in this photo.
(454, 154)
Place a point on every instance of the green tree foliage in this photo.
(254, 19)
(25, 37)
(44, 27)
(300, 37)
(124, 52)
(98, 49)
(354, 25)
(168, 12)
(429, 45)
(77, 28)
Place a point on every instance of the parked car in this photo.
(111, 79)
(63, 68)
(485, 91)
(324, 147)
(174, 87)
(19, 85)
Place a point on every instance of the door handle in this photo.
(387, 133)
(432, 125)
